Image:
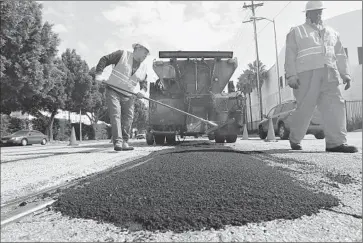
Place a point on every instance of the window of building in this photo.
(360, 55)
(281, 82)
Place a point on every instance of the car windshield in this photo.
(271, 112)
(20, 133)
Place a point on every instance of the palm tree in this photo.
(247, 81)
(252, 67)
(245, 86)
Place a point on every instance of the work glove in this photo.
(99, 79)
(293, 82)
(140, 95)
(346, 81)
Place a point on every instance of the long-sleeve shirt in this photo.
(112, 59)
(332, 55)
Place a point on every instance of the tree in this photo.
(54, 75)
(32, 79)
(245, 86)
(97, 108)
(21, 68)
(79, 81)
(247, 81)
(251, 73)
(56, 98)
(140, 115)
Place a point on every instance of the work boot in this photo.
(295, 146)
(125, 146)
(344, 148)
(117, 145)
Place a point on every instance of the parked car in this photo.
(281, 120)
(25, 137)
(141, 136)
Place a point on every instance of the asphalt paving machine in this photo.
(193, 82)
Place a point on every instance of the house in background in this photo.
(349, 26)
(72, 117)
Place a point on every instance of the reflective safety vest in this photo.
(315, 49)
(122, 77)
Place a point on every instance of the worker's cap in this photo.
(141, 44)
(313, 5)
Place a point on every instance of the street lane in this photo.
(312, 169)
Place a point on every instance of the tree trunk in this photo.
(50, 126)
(94, 121)
(249, 97)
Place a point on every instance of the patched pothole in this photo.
(193, 190)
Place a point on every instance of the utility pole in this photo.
(253, 6)
(277, 56)
(80, 125)
(277, 63)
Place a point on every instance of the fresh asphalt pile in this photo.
(193, 189)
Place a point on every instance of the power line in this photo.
(282, 9)
(235, 44)
(247, 49)
(274, 17)
(253, 7)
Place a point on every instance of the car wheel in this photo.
(159, 139)
(231, 138)
(149, 139)
(219, 138)
(283, 132)
(44, 141)
(261, 133)
(170, 139)
(319, 135)
(24, 142)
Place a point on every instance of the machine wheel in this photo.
(159, 139)
(319, 135)
(211, 136)
(283, 132)
(170, 139)
(24, 142)
(44, 141)
(232, 138)
(220, 138)
(149, 138)
(261, 133)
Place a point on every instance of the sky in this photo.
(97, 28)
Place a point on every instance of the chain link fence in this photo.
(353, 114)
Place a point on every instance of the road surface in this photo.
(234, 192)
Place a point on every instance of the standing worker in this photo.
(315, 62)
(128, 71)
